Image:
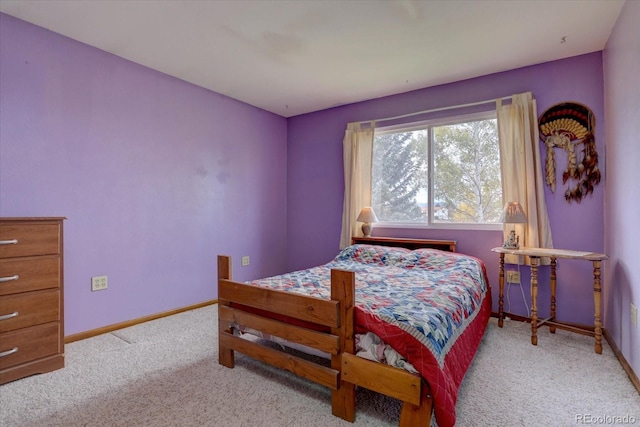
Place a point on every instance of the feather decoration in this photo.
(567, 125)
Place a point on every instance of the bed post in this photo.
(225, 355)
(420, 415)
(343, 400)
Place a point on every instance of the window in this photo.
(443, 173)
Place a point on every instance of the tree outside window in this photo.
(445, 172)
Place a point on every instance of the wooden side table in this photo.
(535, 254)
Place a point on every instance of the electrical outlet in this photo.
(513, 277)
(99, 283)
(634, 315)
(245, 261)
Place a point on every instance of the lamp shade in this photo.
(513, 214)
(367, 215)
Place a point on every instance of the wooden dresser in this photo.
(31, 297)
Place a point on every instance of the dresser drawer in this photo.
(29, 309)
(29, 344)
(29, 274)
(25, 239)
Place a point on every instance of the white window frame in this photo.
(429, 124)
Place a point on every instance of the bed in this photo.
(429, 305)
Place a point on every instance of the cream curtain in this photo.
(358, 154)
(522, 179)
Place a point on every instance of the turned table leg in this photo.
(597, 299)
(553, 282)
(534, 300)
(501, 294)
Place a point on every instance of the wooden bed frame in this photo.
(346, 370)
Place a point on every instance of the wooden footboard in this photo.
(337, 317)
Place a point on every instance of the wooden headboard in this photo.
(443, 245)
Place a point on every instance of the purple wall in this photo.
(156, 176)
(622, 89)
(315, 181)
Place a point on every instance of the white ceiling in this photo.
(294, 57)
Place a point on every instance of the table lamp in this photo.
(512, 214)
(367, 216)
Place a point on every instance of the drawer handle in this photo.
(9, 316)
(9, 352)
(9, 278)
(9, 242)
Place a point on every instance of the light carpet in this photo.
(166, 373)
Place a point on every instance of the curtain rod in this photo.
(433, 110)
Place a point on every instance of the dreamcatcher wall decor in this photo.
(569, 126)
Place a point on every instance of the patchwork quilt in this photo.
(430, 306)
